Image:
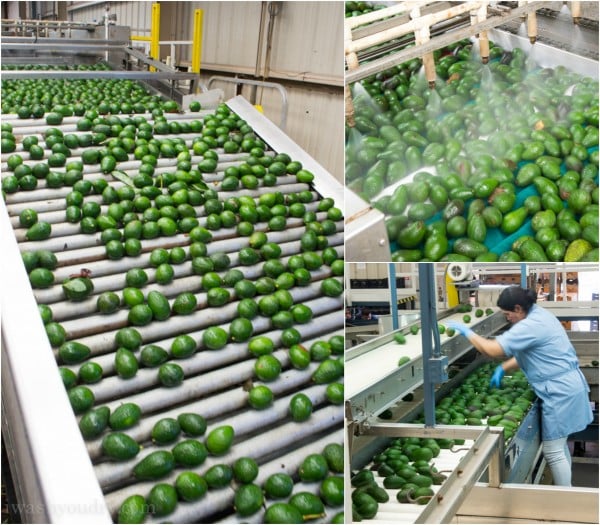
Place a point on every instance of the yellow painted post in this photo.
(197, 40)
(155, 33)
(451, 293)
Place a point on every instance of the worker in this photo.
(538, 344)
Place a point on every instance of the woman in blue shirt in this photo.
(538, 344)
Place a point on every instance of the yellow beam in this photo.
(141, 38)
(155, 33)
(451, 293)
(197, 40)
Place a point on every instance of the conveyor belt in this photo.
(368, 368)
(214, 380)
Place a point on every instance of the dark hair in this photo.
(515, 295)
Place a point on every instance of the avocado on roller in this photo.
(77, 288)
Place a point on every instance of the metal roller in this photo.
(322, 307)
(327, 419)
(111, 474)
(209, 407)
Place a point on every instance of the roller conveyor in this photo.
(378, 362)
(215, 381)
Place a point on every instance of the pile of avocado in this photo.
(187, 206)
(407, 465)
(504, 157)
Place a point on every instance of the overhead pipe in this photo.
(484, 44)
(576, 12)
(422, 36)
(532, 27)
(522, 3)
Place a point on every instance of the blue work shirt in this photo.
(543, 351)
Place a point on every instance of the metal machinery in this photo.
(378, 40)
(489, 480)
(60, 478)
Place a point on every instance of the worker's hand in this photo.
(497, 376)
(462, 329)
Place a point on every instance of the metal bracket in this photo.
(259, 83)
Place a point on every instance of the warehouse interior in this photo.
(172, 238)
(402, 356)
(296, 78)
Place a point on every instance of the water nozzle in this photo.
(576, 12)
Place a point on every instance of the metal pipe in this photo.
(532, 27)
(422, 37)
(576, 12)
(426, 280)
(484, 43)
(310, 296)
(210, 408)
(91, 75)
(349, 107)
(106, 37)
(393, 295)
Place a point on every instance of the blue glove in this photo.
(497, 376)
(462, 329)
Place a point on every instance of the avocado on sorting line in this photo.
(496, 162)
(156, 285)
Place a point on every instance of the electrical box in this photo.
(438, 369)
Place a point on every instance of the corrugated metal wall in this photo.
(305, 55)
(133, 14)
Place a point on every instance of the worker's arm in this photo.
(489, 347)
(510, 365)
